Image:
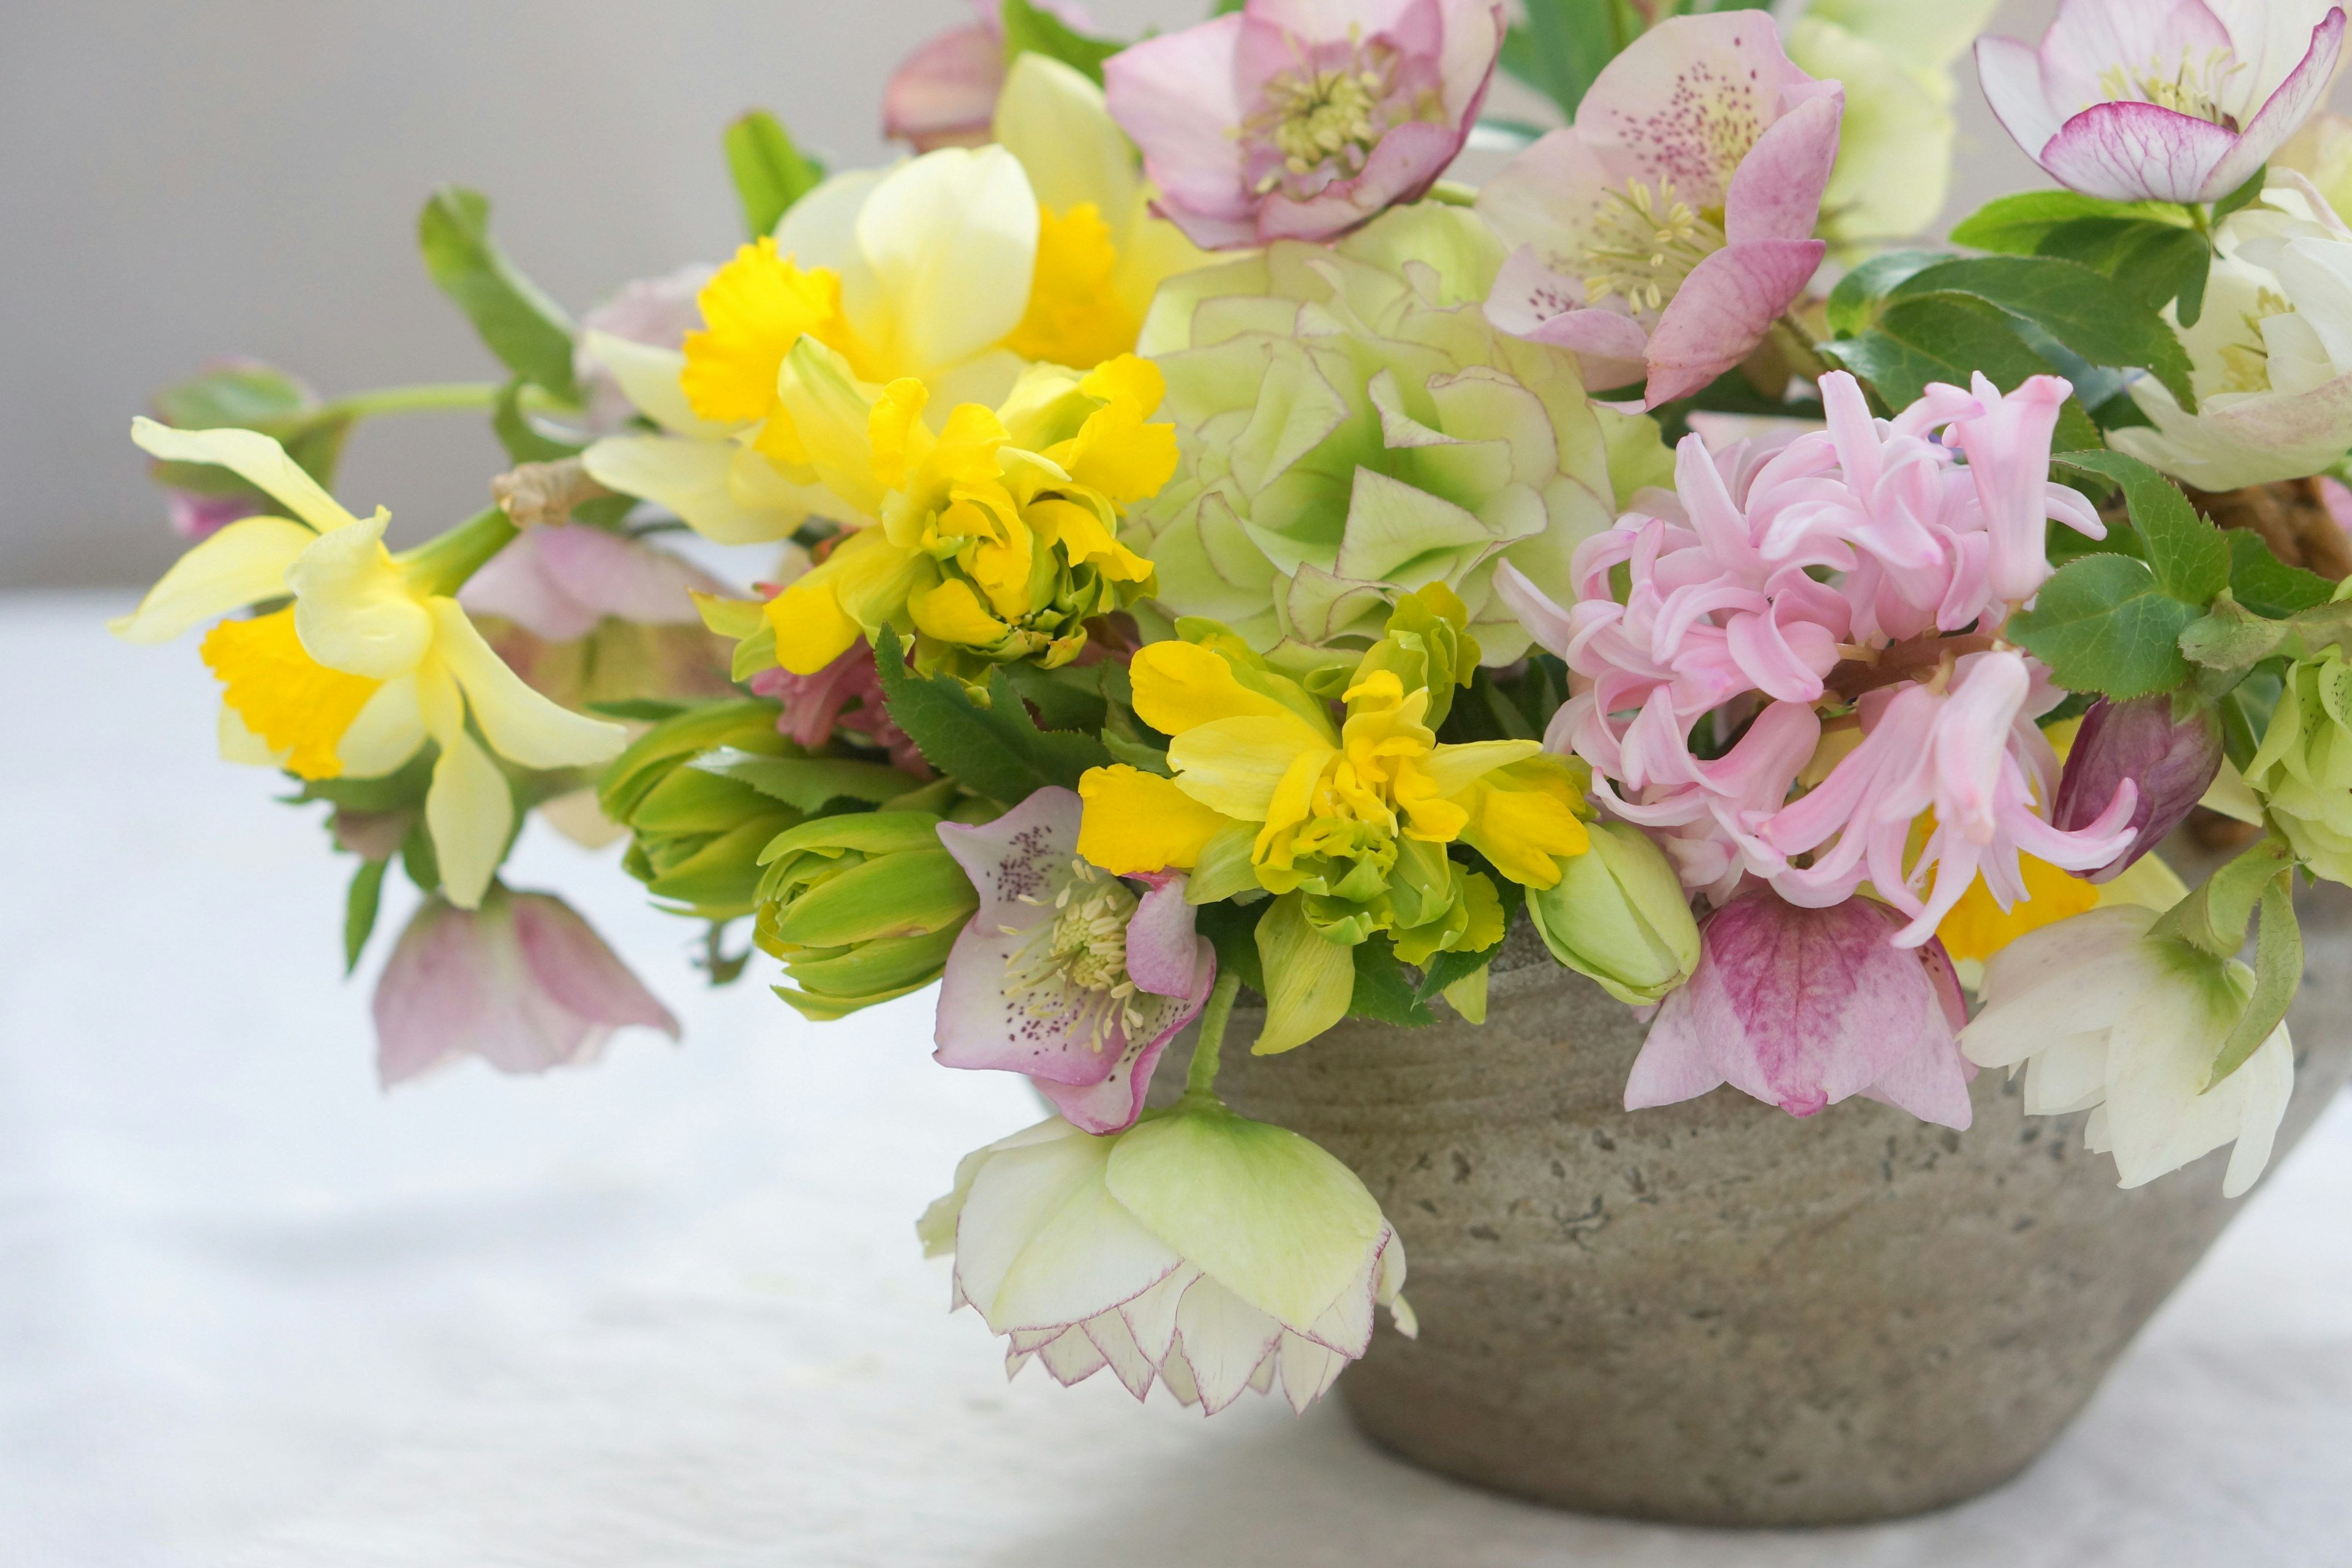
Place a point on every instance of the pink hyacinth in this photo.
(846, 696)
(1302, 119)
(1661, 236)
(2170, 100)
(944, 93)
(1804, 1007)
(522, 982)
(1065, 973)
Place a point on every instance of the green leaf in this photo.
(359, 908)
(2073, 303)
(1067, 698)
(2232, 638)
(1915, 341)
(2189, 554)
(1567, 43)
(639, 709)
(2014, 225)
(418, 859)
(1031, 29)
(2278, 974)
(1384, 988)
(527, 331)
(521, 438)
(2267, 585)
(2244, 195)
(2213, 918)
(1858, 294)
(2147, 247)
(2102, 625)
(997, 751)
(771, 174)
(1447, 968)
(1232, 929)
(810, 784)
(239, 396)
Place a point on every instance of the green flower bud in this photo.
(2303, 769)
(1619, 914)
(695, 835)
(861, 908)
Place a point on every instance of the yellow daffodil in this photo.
(996, 538)
(957, 269)
(1347, 823)
(371, 659)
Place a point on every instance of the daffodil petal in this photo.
(386, 732)
(470, 813)
(354, 608)
(1052, 118)
(243, 563)
(696, 480)
(240, 745)
(1453, 769)
(952, 241)
(252, 457)
(821, 228)
(1237, 766)
(522, 724)
(647, 377)
(832, 417)
(1180, 685)
(1136, 823)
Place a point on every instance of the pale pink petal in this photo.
(1530, 301)
(1020, 858)
(2012, 74)
(1160, 953)
(1113, 1103)
(2137, 152)
(1723, 310)
(1678, 100)
(1404, 166)
(579, 973)
(944, 93)
(1777, 192)
(1176, 95)
(2304, 89)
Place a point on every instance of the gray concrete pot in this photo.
(1713, 1314)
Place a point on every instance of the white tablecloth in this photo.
(668, 1312)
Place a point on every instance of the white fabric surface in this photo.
(670, 1312)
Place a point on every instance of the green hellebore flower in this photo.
(861, 908)
(1619, 914)
(2303, 771)
(1348, 424)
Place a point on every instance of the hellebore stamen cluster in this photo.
(1073, 969)
(1644, 244)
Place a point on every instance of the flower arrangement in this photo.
(1216, 552)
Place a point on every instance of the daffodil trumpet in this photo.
(361, 657)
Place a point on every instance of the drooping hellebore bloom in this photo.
(1211, 1253)
(944, 93)
(2107, 1017)
(370, 661)
(1294, 119)
(2171, 761)
(521, 982)
(2170, 100)
(1662, 235)
(1801, 1009)
(1065, 972)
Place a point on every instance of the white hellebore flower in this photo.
(371, 660)
(2271, 356)
(2109, 1018)
(1213, 1252)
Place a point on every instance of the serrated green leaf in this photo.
(1032, 29)
(2147, 248)
(2231, 638)
(2014, 225)
(1384, 988)
(2267, 585)
(360, 907)
(1858, 294)
(2073, 303)
(769, 171)
(2188, 555)
(996, 750)
(1069, 698)
(1915, 341)
(1232, 929)
(529, 333)
(2102, 625)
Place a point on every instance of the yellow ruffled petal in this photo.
(1115, 452)
(1129, 379)
(1084, 541)
(1137, 823)
(896, 431)
(1179, 685)
(854, 591)
(1453, 769)
(756, 306)
(242, 746)
(1525, 820)
(1076, 315)
(243, 563)
(830, 415)
(354, 607)
(951, 612)
(254, 457)
(1237, 766)
(296, 706)
(522, 724)
(649, 378)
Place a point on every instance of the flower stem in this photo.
(443, 565)
(1200, 1081)
(1452, 194)
(429, 397)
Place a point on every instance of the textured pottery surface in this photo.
(1713, 1313)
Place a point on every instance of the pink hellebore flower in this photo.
(558, 583)
(1662, 235)
(2173, 100)
(1974, 756)
(197, 516)
(1302, 119)
(845, 696)
(1802, 1007)
(523, 982)
(1064, 974)
(944, 93)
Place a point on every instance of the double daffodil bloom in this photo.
(997, 537)
(958, 269)
(371, 659)
(1346, 825)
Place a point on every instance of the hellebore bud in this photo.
(2173, 761)
(861, 908)
(1619, 914)
(695, 835)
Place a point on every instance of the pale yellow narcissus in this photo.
(997, 537)
(371, 659)
(1346, 824)
(958, 269)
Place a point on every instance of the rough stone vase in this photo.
(1713, 1314)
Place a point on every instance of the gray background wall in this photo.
(180, 181)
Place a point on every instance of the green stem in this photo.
(1200, 1081)
(443, 565)
(1454, 193)
(430, 397)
